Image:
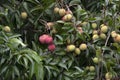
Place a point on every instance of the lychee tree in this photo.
(70, 39)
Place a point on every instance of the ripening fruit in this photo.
(117, 38)
(95, 32)
(104, 29)
(108, 75)
(94, 25)
(42, 38)
(95, 36)
(77, 51)
(24, 15)
(67, 17)
(92, 68)
(62, 12)
(51, 47)
(49, 40)
(103, 36)
(50, 25)
(83, 46)
(56, 10)
(7, 29)
(70, 48)
(95, 60)
(46, 39)
(102, 25)
(113, 34)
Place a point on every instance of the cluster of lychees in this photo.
(47, 39)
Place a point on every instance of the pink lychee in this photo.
(51, 47)
(49, 40)
(42, 38)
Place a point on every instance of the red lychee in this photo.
(42, 38)
(51, 47)
(49, 40)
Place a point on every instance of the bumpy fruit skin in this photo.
(56, 10)
(7, 29)
(67, 17)
(103, 36)
(62, 12)
(108, 75)
(94, 25)
(117, 38)
(104, 29)
(46, 39)
(95, 32)
(102, 25)
(51, 47)
(49, 40)
(42, 38)
(77, 51)
(92, 68)
(24, 15)
(95, 60)
(95, 36)
(113, 34)
(83, 46)
(70, 48)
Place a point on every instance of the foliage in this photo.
(23, 57)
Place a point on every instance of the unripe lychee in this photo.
(24, 15)
(51, 47)
(108, 75)
(77, 51)
(104, 29)
(102, 25)
(94, 25)
(70, 48)
(62, 12)
(103, 36)
(95, 36)
(49, 40)
(67, 17)
(113, 34)
(7, 29)
(92, 68)
(95, 32)
(83, 46)
(95, 60)
(56, 10)
(42, 38)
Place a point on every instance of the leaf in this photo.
(63, 65)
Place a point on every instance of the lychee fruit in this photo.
(62, 12)
(70, 48)
(51, 47)
(7, 29)
(83, 46)
(24, 15)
